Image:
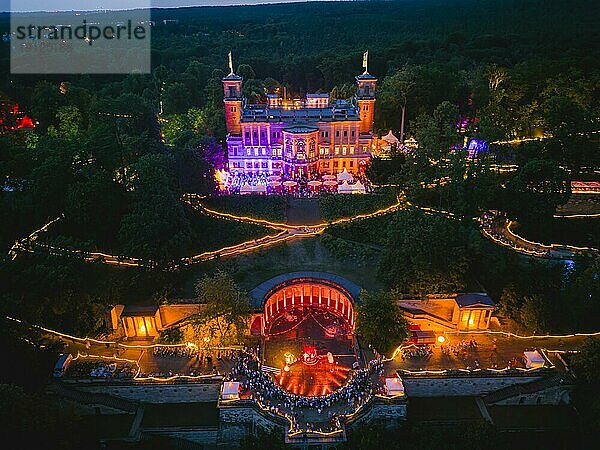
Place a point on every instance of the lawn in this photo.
(299, 255)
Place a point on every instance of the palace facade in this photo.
(301, 137)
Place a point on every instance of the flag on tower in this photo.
(365, 60)
(230, 64)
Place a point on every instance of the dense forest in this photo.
(114, 154)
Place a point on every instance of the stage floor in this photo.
(307, 326)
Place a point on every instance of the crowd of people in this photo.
(419, 351)
(101, 370)
(180, 351)
(357, 391)
(203, 362)
(235, 183)
(465, 349)
(238, 180)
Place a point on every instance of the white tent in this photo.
(390, 138)
(246, 189)
(533, 360)
(345, 176)
(259, 189)
(358, 188)
(231, 390)
(329, 177)
(345, 188)
(394, 386)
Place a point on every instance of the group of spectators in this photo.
(179, 351)
(302, 189)
(356, 392)
(464, 350)
(420, 351)
(238, 180)
(101, 370)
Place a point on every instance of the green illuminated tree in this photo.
(224, 318)
(380, 321)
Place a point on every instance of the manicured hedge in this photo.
(336, 206)
(271, 207)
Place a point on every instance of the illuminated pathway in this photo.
(496, 228)
(500, 230)
(495, 350)
(286, 233)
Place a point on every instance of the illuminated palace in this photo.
(303, 137)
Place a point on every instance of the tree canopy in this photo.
(224, 317)
(380, 321)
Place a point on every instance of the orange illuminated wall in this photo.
(309, 294)
(232, 96)
(366, 111)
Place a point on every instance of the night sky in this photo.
(67, 5)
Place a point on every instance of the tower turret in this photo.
(232, 86)
(365, 96)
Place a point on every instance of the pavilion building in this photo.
(302, 137)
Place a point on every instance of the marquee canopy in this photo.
(345, 176)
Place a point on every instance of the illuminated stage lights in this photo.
(313, 380)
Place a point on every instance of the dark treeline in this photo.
(115, 153)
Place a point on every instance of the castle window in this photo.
(247, 135)
(345, 133)
(337, 133)
(351, 163)
(353, 133)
